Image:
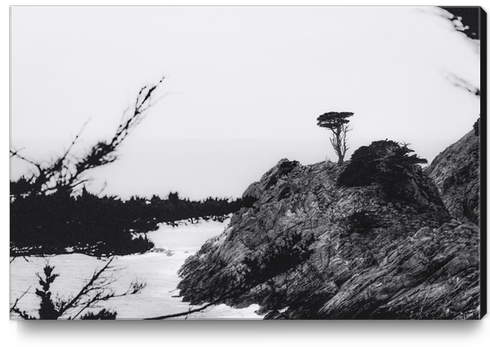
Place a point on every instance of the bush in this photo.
(87, 223)
(387, 163)
(60, 223)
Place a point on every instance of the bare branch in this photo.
(73, 302)
(462, 83)
(65, 173)
(226, 295)
(180, 314)
(14, 306)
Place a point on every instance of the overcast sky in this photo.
(243, 87)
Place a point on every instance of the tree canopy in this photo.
(334, 120)
(337, 122)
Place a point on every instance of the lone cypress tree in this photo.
(337, 123)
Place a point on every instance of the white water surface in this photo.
(157, 269)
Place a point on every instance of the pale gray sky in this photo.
(245, 86)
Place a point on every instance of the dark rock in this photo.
(456, 174)
(306, 247)
(476, 127)
(309, 249)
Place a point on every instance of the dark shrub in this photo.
(102, 315)
(385, 162)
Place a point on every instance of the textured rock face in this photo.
(305, 248)
(456, 173)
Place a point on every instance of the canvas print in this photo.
(247, 163)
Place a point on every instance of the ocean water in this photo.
(158, 269)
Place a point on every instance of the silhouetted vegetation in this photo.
(95, 291)
(51, 212)
(47, 215)
(66, 173)
(101, 226)
(384, 162)
(248, 201)
(337, 122)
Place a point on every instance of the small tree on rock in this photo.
(337, 122)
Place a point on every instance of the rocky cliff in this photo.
(305, 247)
(456, 173)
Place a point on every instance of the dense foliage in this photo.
(50, 212)
(387, 163)
(60, 223)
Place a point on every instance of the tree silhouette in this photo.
(337, 122)
(66, 173)
(51, 211)
(95, 291)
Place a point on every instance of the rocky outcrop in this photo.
(304, 247)
(456, 173)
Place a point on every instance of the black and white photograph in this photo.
(201, 163)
